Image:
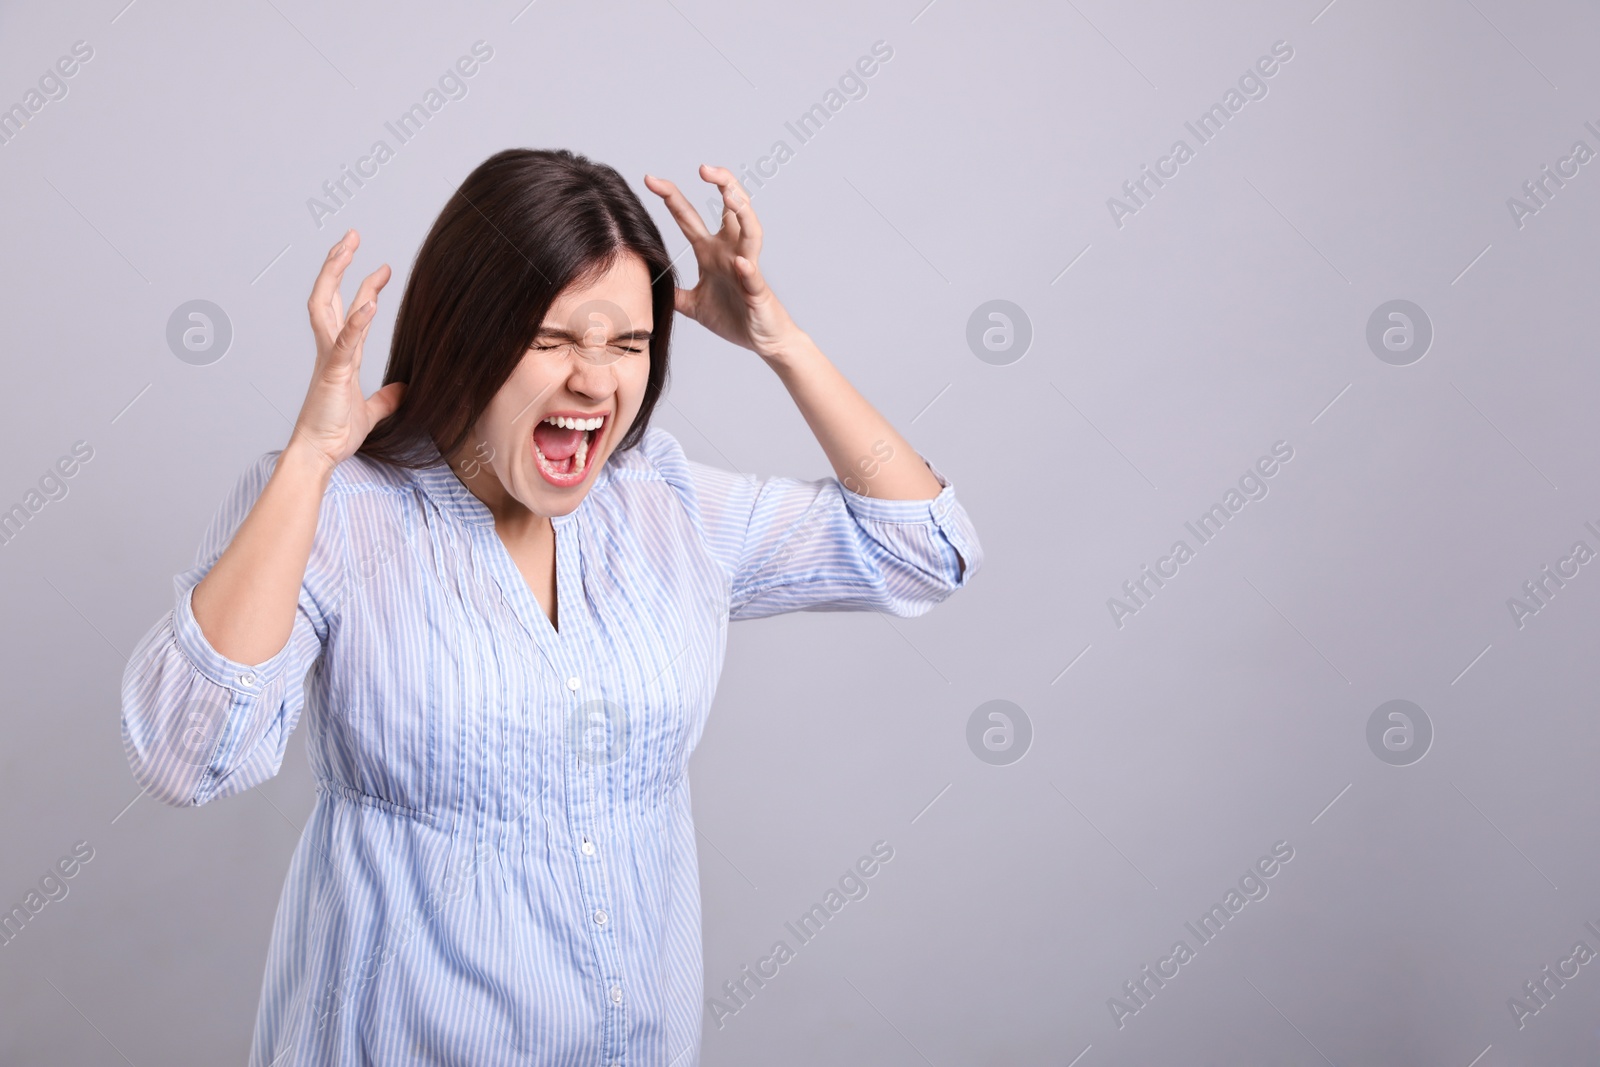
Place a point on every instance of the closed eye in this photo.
(550, 338)
(614, 347)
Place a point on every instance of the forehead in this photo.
(624, 287)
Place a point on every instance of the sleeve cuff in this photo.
(877, 509)
(944, 512)
(243, 678)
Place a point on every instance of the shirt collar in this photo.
(439, 481)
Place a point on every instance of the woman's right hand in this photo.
(336, 417)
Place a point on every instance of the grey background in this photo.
(1228, 314)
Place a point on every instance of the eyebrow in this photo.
(568, 335)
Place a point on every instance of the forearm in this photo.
(246, 603)
(867, 453)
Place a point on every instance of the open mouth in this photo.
(563, 443)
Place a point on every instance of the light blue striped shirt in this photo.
(500, 867)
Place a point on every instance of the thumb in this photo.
(749, 276)
(683, 301)
(385, 401)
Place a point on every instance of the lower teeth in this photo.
(578, 460)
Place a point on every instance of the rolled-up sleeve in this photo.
(196, 725)
(794, 545)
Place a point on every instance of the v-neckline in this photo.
(440, 480)
(555, 579)
(524, 597)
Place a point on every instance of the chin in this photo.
(565, 506)
(541, 498)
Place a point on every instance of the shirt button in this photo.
(588, 847)
(616, 994)
(573, 683)
(599, 918)
(248, 679)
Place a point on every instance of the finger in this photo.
(368, 290)
(749, 275)
(685, 215)
(347, 346)
(721, 177)
(731, 227)
(371, 285)
(324, 314)
(735, 199)
(749, 228)
(384, 402)
(736, 212)
(683, 301)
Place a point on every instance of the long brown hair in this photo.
(523, 226)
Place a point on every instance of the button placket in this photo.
(586, 811)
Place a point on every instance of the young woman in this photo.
(502, 599)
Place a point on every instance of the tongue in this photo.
(556, 443)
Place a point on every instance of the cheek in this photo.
(634, 385)
(630, 396)
(496, 431)
(508, 414)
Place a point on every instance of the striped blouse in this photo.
(500, 866)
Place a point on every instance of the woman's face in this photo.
(569, 401)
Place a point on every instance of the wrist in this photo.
(794, 351)
(303, 459)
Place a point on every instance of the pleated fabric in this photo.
(500, 866)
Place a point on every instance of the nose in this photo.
(596, 382)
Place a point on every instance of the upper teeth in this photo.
(575, 424)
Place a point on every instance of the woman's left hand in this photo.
(731, 299)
